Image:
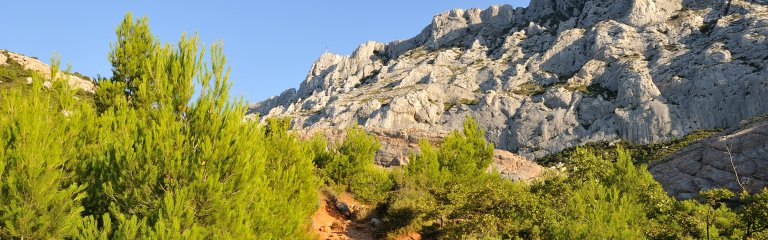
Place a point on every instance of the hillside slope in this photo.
(715, 162)
(557, 74)
(15, 62)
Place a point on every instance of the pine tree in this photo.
(466, 152)
(38, 199)
(754, 213)
(134, 46)
(168, 168)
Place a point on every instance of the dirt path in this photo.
(329, 223)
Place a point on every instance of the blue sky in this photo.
(270, 45)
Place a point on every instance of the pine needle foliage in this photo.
(148, 161)
(154, 159)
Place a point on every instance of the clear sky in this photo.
(270, 45)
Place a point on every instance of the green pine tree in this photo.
(38, 197)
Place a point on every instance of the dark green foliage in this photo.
(353, 157)
(529, 89)
(717, 216)
(595, 211)
(13, 75)
(13, 71)
(467, 152)
(360, 148)
(131, 53)
(593, 90)
(642, 154)
(599, 196)
(610, 200)
(439, 186)
(108, 94)
(321, 155)
(469, 101)
(754, 214)
(350, 165)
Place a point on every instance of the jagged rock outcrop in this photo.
(557, 74)
(45, 71)
(516, 168)
(707, 163)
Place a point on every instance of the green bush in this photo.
(352, 158)
(108, 93)
(372, 185)
(445, 193)
(754, 214)
(440, 184)
(466, 152)
(640, 153)
(595, 211)
(529, 89)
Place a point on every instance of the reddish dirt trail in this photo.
(329, 223)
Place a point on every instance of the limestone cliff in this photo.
(44, 70)
(556, 74)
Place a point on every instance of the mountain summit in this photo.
(556, 74)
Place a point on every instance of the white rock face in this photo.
(557, 74)
(45, 71)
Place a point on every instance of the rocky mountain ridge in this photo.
(556, 74)
(44, 70)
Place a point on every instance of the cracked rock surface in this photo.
(556, 74)
(707, 164)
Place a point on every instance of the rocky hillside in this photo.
(14, 60)
(556, 74)
(738, 153)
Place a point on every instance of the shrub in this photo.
(469, 101)
(372, 185)
(466, 152)
(353, 157)
(529, 89)
(108, 94)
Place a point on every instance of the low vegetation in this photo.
(148, 160)
(640, 153)
(446, 193)
(470, 102)
(529, 89)
(593, 90)
(12, 74)
(602, 193)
